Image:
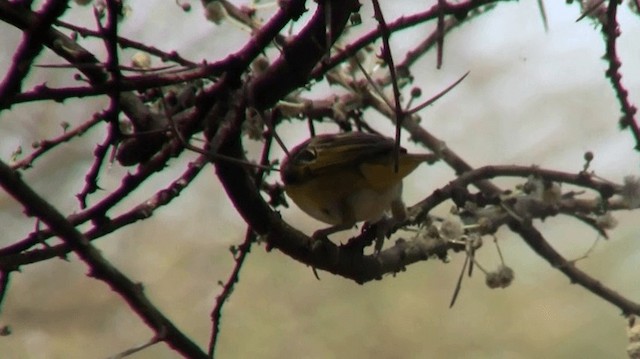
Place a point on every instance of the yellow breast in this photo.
(346, 178)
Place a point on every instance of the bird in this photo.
(345, 178)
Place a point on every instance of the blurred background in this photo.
(533, 97)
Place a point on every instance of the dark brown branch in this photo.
(531, 235)
(399, 114)
(611, 31)
(361, 268)
(537, 242)
(301, 54)
(227, 288)
(130, 83)
(127, 43)
(4, 284)
(236, 65)
(12, 256)
(76, 55)
(110, 38)
(31, 45)
(98, 211)
(100, 268)
(91, 177)
(490, 189)
(240, 255)
(440, 34)
(45, 145)
(458, 10)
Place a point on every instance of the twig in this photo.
(124, 42)
(440, 34)
(91, 178)
(4, 285)
(543, 15)
(437, 96)
(387, 56)
(45, 145)
(153, 341)
(241, 254)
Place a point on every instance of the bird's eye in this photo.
(307, 155)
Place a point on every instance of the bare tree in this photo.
(235, 112)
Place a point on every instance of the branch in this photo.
(537, 242)
(31, 45)
(611, 31)
(240, 255)
(91, 176)
(4, 284)
(99, 267)
(127, 43)
(301, 54)
(43, 146)
(458, 10)
(234, 67)
(12, 257)
(227, 288)
(353, 264)
(399, 115)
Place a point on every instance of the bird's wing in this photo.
(348, 149)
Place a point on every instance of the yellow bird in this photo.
(342, 179)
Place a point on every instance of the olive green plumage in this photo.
(342, 179)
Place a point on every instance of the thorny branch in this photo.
(611, 31)
(99, 267)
